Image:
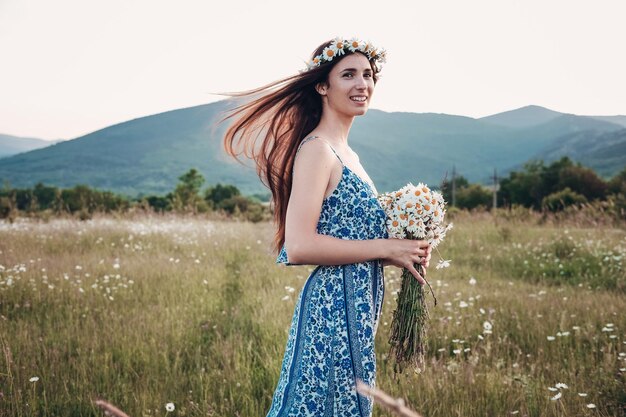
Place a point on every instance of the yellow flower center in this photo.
(330, 53)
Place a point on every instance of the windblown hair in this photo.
(270, 125)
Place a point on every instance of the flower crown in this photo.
(340, 46)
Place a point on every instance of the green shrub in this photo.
(560, 200)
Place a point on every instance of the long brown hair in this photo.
(269, 127)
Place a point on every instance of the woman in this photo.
(327, 214)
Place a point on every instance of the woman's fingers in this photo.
(416, 275)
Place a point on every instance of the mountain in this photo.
(11, 145)
(148, 154)
(620, 120)
(606, 152)
(523, 117)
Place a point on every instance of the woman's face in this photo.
(350, 86)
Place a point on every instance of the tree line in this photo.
(542, 187)
(83, 201)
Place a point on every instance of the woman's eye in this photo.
(348, 75)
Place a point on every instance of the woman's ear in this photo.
(321, 88)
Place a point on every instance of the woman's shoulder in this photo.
(314, 150)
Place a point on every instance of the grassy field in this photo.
(148, 311)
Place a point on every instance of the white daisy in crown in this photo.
(355, 44)
(382, 55)
(339, 45)
(329, 53)
(315, 62)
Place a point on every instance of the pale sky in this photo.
(69, 67)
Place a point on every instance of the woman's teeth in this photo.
(358, 98)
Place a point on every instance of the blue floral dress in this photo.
(331, 339)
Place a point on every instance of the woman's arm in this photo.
(312, 172)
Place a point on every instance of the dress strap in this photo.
(313, 137)
(305, 140)
(332, 149)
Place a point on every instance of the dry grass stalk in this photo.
(110, 409)
(396, 405)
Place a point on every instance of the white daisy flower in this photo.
(367, 47)
(561, 385)
(557, 396)
(472, 281)
(169, 407)
(382, 56)
(329, 53)
(339, 45)
(443, 264)
(355, 44)
(34, 379)
(395, 228)
(591, 405)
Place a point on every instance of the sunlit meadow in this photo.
(188, 316)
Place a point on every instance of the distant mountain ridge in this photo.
(11, 145)
(148, 154)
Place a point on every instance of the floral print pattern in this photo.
(331, 339)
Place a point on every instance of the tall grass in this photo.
(150, 310)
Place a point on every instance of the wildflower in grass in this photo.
(443, 264)
(463, 304)
(551, 338)
(591, 405)
(553, 389)
(285, 298)
(561, 385)
(582, 394)
(169, 407)
(34, 379)
(472, 281)
(487, 327)
(557, 396)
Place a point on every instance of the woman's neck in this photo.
(335, 128)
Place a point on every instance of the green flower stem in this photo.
(409, 324)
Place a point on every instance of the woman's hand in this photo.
(404, 253)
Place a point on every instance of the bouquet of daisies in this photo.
(413, 212)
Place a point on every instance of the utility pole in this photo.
(495, 189)
(453, 185)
